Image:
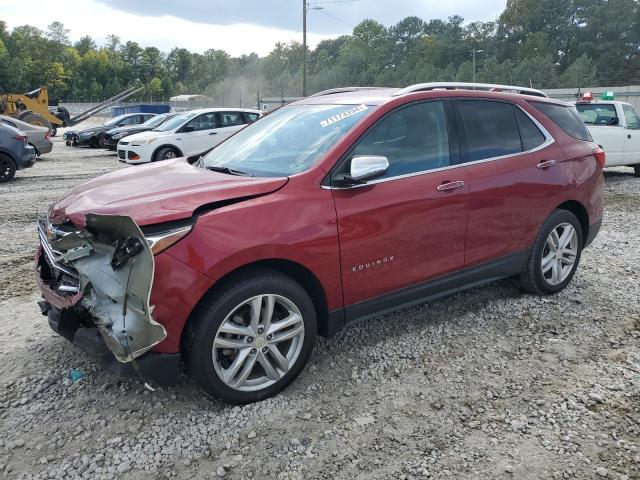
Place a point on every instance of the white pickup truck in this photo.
(615, 126)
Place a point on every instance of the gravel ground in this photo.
(488, 384)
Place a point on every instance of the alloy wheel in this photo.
(170, 154)
(258, 342)
(559, 254)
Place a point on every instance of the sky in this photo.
(238, 27)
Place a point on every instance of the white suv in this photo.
(189, 133)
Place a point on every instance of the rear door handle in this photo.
(547, 164)
(213, 133)
(450, 185)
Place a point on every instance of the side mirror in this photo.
(187, 128)
(364, 168)
(122, 124)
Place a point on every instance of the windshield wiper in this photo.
(228, 171)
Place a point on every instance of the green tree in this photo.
(85, 44)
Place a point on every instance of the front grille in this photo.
(121, 154)
(59, 275)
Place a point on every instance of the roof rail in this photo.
(421, 87)
(333, 91)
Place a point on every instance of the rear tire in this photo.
(54, 130)
(166, 153)
(234, 359)
(554, 255)
(35, 119)
(636, 170)
(7, 168)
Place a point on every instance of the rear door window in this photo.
(231, 119)
(491, 129)
(414, 139)
(566, 117)
(250, 117)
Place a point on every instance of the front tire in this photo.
(555, 254)
(166, 153)
(251, 338)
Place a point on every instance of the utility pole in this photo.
(305, 9)
(474, 51)
(304, 48)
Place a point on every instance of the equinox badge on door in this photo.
(373, 263)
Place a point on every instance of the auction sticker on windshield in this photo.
(342, 115)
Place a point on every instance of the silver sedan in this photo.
(38, 137)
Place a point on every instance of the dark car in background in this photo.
(15, 152)
(94, 136)
(113, 136)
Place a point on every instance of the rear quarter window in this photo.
(566, 117)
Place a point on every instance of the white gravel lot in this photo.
(488, 384)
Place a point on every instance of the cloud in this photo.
(88, 17)
(336, 16)
(239, 27)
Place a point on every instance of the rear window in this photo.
(566, 117)
(598, 114)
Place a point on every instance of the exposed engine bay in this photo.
(106, 271)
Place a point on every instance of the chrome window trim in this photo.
(549, 140)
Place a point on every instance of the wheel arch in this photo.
(580, 212)
(166, 145)
(35, 148)
(298, 272)
(8, 154)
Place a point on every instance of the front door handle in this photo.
(213, 133)
(628, 135)
(450, 185)
(547, 164)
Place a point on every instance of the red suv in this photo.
(339, 207)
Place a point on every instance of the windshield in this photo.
(174, 122)
(115, 120)
(286, 141)
(597, 113)
(155, 121)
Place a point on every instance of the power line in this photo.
(335, 1)
(336, 18)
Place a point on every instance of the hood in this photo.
(128, 129)
(156, 193)
(148, 134)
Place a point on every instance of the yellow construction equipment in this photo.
(33, 108)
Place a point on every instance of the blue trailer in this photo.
(141, 108)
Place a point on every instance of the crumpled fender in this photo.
(116, 268)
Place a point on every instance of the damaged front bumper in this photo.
(96, 285)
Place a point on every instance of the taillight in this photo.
(21, 137)
(48, 135)
(600, 156)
